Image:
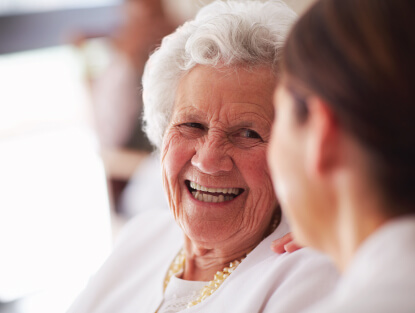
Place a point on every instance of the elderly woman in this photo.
(343, 147)
(208, 109)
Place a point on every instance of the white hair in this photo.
(231, 33)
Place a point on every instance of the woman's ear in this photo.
(323, 149)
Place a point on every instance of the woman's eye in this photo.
(249, 133)
(246, 138)
(192, 130)
(194, 125)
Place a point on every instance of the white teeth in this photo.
(197, 195)
(196, 186)
(210, 198)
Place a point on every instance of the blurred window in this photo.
(54, 208)
(28, 6)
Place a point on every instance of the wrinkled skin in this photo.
(217, 138)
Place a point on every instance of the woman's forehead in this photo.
(242, 78)
(243, 111)
(240, 92)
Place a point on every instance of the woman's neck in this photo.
(352, 236)
(360, 214)
(203, 262)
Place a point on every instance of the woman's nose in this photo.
(212, 157)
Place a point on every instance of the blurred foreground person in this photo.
(343, 147)
(208, 109)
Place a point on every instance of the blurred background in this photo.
(74, 163)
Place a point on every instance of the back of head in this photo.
(358, 56)
(232, 33)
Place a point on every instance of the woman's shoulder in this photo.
(270, 282)
(295, 263)
(148, 222)
(149, 236)
(144, 248)
(303, 277)
(291, 268)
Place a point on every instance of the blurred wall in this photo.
(185, 9)
(19, 32)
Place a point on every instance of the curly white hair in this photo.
(231, 33)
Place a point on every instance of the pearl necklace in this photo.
(178, 264)
(214, 284)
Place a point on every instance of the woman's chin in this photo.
(210, 225)
(211, 235)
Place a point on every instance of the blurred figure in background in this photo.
(116, 92)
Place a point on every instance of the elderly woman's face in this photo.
(214, 154)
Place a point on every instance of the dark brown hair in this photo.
(359, 57)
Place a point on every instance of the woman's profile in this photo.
(343, 147)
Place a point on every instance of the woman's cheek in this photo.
(175, 154)
(254, 168)
(258, 168)
(173, 162)
(167, 163)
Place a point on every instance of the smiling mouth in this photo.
(214, 195)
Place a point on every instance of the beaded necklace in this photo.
(178, 265)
